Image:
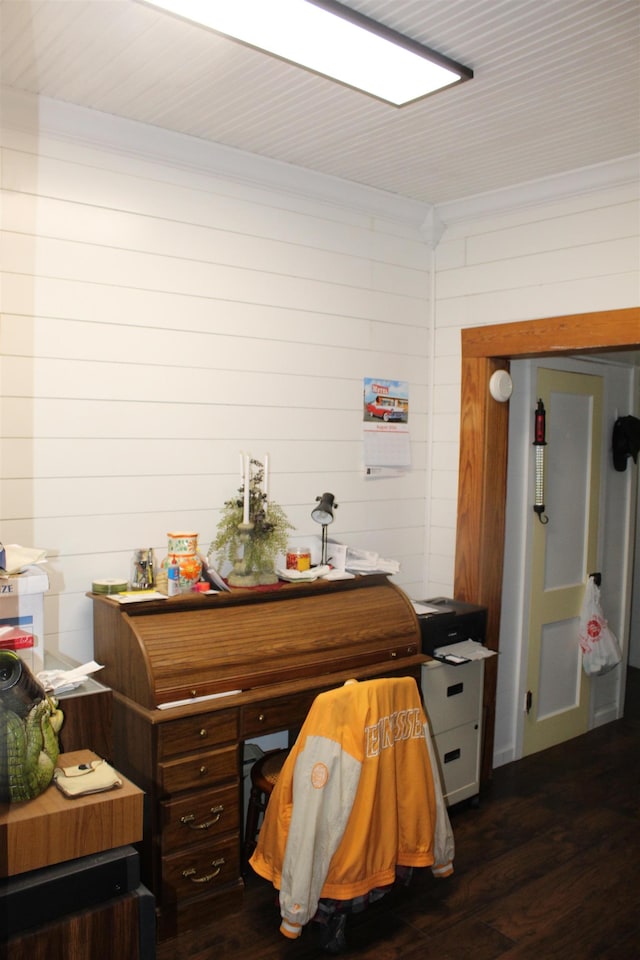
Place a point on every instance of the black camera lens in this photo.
(19, 688)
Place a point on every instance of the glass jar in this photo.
(299, 558)
(142, 573)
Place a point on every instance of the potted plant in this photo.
(252, 531)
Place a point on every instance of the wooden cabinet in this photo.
(52, 829)
(69, 877)
(111, 931)
(194, 676)
(190, 769)
(453, 701)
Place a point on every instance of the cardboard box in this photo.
(22, 609)
(32, 580)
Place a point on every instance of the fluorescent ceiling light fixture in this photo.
(330, 39)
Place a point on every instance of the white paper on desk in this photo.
(470, 649)
(135, 596)
(61, 681)
(368, 561)
(424, 607)
(209, 696)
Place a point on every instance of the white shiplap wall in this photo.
(166, 304)
(157, 318)
(536, 258)
(577, 253)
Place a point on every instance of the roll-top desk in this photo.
(232, 666)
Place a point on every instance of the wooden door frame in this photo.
(482, 481)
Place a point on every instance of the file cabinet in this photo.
(453, 702)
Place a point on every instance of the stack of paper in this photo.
(368, 561)
(469, 649)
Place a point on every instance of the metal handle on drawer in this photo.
(261, 717)
(208, 877)
(190, 817)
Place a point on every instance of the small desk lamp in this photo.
(323, 514)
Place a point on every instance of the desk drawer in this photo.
(452, 695)
(201, 770)
(203, 815)
(203, 731)
(283, 714)
(201, 869)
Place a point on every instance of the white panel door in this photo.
(564, 554)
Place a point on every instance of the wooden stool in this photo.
(264, 776)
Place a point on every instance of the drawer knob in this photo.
(203, 733)
(194, 693)
(262, 718)
(203, 771)
(393, 654)
(189, 818)
(208, 877)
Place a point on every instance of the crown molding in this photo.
(64, 121)
(54, 118)
(570, 184)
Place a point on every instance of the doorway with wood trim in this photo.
(483, 453)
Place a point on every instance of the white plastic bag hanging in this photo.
(600, 650)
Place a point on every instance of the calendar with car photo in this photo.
(386, 401)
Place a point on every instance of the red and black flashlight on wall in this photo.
(540, 443)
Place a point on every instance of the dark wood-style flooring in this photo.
(548, 866)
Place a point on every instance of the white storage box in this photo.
(22, 615)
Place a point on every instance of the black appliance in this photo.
(451, 621)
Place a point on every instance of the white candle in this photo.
(247, 475)
(266, 476)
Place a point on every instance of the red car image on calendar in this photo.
(386, 400)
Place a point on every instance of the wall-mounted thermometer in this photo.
(540, 443)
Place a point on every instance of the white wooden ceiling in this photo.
(556, 87)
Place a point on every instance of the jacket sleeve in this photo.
(325, 782)
(443, 842)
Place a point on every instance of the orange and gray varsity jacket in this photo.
(359, 793)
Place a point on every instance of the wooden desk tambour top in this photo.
(157, 652)
(52, 828)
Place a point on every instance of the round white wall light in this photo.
(501, 386)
